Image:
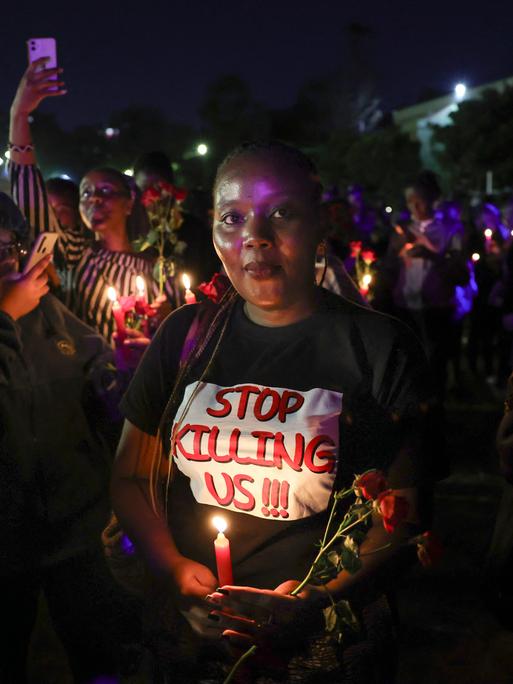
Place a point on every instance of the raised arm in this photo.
(27, 186)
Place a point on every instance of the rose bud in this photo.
(392, 508)
(370, 484)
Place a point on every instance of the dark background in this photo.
(165, 54)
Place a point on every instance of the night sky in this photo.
(165, 54)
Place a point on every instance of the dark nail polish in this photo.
(225, 592)
(213, 617)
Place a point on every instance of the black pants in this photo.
(94, 619)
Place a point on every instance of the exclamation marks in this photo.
(265, 496)
(275, 495)
(284, 499)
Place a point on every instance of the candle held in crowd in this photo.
(190, 297)
(141, 303)
(140, 286)
(222, 551)
(118, 314)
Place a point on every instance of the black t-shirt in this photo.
(283, 417)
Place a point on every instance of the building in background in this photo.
(417, 120)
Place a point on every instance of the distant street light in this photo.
(202, 149)
(8, 154)
(1, 161)
(388, 209)
(460, 90)
(64, 176)
(476, 256)
(111, 132)
(128, 172)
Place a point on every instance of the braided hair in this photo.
(283, 152)
(218, 327)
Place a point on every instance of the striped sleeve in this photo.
(29, 192)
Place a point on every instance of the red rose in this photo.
(166, 187)
(356, 247)
(392, 508)
(370, 484)
(149, 196)
(368, 256)
(180, 194)
(429, 549)
(216, 288)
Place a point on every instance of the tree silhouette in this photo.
(480, 139)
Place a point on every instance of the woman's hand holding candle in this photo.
(129, 352)
(192, 581)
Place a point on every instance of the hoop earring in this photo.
(324, 248)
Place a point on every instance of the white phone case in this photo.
(44, 244)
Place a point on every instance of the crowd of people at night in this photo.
(332, 321)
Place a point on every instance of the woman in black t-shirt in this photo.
(287, 393)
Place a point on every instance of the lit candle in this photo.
(141, 289)
(190, 297)
(365, 283)
(222, 549)
(140, 303)
(118, 314)
(488, 234)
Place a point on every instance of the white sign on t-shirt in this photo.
(270, 452)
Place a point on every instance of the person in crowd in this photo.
(198, 257)
(151, 168)
(507, 214)
(489, 218)
(364, 217)
(58, 403)
(427, 262)
(486, 340)
(64, 198)
(106, 207)
(356, 374)
(449, 212)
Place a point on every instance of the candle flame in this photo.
(476, 256)
(488, 233)
(112, 294)
(219, 523)
(186, 281)
(140, 285)
(366, 280)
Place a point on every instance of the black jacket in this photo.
(57, 380)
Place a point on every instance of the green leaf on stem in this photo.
(152, 237)
(340, 620)
(349, 559)
(325, 569)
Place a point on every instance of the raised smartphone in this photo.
(43, 47)
(44, 244)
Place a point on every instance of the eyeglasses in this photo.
(10, 249)
(103, 192)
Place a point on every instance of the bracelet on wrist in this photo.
(20, 148)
